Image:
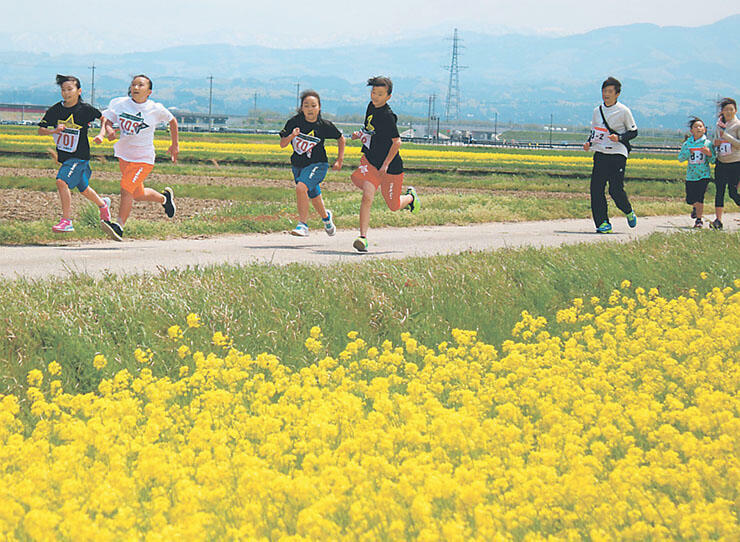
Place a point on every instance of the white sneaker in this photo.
(301, 230)
(329, 226)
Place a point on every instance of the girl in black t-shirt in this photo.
(67, 121)
(306, 132)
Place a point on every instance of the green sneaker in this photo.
(360, 244)
(604, 228)
(631, 219)
(415, 203)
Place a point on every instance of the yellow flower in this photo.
(174, 332)
(99, 361)
(183, 351)
(54, 368)
(625, 284)
(315, 332)
(35, 377)
(193, 320)
(703, 275)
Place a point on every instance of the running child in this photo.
(612, 128)
(727, 170)
(68, 122)
(306, 132)
(699, 152)
(137, 117)
(381, 165)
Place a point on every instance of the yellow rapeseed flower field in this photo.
(440, 156)
(624, 427)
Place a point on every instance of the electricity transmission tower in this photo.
(452, 105)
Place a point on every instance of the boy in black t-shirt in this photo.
(381, 165)
(306, 132)
(68, 121)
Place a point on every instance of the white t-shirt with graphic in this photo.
(137, 123)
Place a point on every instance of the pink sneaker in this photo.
(64, 226)
(105, 210)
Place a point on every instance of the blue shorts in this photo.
(311, 176)
(76, 173)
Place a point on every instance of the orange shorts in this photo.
(133, 175)
(390, 185)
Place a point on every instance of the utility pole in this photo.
(255, 103)
(298, 95)
(551, 130)
(92, 86)
(430, 114)
(452, 106)
(210, 103)
(495, 125)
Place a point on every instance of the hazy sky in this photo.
(106, 26)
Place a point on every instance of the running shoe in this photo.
(360, 244)
(301, 230)
(604, 228)
(693, 212)
(698, 224)
(716, 225)
(169, 202)
(631, 219)
(113, 230)
(415, 203)
(64, 226)
(105, 210)
(329, 226)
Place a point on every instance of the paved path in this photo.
(136, 256)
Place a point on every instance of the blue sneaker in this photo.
(301, 230)
(604, 228)
(329, 226)
(631, 219)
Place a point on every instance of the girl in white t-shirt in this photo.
(137, 118)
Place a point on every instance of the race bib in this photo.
(68, 140)
(599, 136)
(725, 148)
(696, 156)
(304, 144)
(366, 137)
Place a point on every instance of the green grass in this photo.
(270, 308)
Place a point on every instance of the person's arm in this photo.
(174, 149)
(733, 140)
(340, 154)
(106, 131)
(627, 136)
(392, 152)
(49, 119)
(285, 141)
(683, 154)
(51, 131)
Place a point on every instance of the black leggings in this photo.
(726, 174)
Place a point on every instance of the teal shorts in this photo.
(76, 173)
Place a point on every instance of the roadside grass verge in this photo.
(272, 308)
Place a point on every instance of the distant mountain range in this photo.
(668, 73)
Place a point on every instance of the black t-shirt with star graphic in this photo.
(308, 146)
(72, 142)
(381, 129)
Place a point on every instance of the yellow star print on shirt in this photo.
(70, 122)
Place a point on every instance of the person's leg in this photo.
(93, 196)
(368, 194)
(65, 197)
(125, 206)
(301, 197)
(318, 204)
(149, 194)
(598, 185)
(732, 178)
(616, 183)
(391, 189)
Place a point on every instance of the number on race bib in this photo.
(696, 156)
(599, 136)
(304, 144)
(68, 140)
(724, 148)
(366, 137)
